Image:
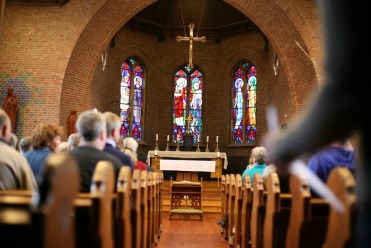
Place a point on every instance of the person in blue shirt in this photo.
(259, 156)
(339, 153)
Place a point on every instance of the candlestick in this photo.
(218, 154)
(156, 136)
(207, 138)
(198, 144)
(156, 152)
(177, 146)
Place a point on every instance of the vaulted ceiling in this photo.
(166, 19)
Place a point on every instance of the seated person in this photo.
(259, 156)
(46, 139)
(92, 129)
(15, 172)
(130, 148)
(339, 153)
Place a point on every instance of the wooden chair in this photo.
(123, 228)
(308, 217)
(46, 219)
(231, 209)
(246, 212)
(94, 210)
(258, 212)
(186, 199)
(341, 226)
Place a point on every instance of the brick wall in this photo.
(51, 56)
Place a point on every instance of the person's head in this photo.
(73, 141)
(47, 135)
(142, 156)
(130, 148)
(13, 141)
(5, 126)
(64, 146)
(259, 154)
(25, 144)
(91, 126)
(113, 126)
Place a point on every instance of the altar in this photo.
(189, 161)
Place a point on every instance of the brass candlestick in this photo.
(207, 147)
(217, 147)
(198, 147)
(167, 146)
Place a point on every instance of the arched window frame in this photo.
(193, 95)
(243, 109)
(132, 98)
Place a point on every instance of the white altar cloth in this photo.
(187, 165)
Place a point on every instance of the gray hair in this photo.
(73, 140)
(260, 154)
(113, 121)
(90, 124)
(25, 144)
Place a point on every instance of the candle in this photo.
(156, 136)
(217, 139)
(198, 138)
(167, 138)
(218, 153)
(207, 138)
(156, 152)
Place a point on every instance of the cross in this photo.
(191, 39)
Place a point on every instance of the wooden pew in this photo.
(161, 181)
(258, 212)
(94, 210)
(231, 209)
(308, 217)
(123, 228)
(237, 212)
(341, 226)
(222, 197)
(43, 219)
(144, 209)
(246, 212)
(226, 209)
(278, 207)
(135, 215)
(150, 206)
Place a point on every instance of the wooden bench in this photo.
(45, 219)
(278, 207)
(94, 210)
(308, 217)
(231, 208)
(237, 212)
(340, 232)
(257, 212)
(246, 212)
(123, 228)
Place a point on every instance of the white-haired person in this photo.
(130, 148)
(259, 156)
(91, 127)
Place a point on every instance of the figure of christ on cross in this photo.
(191, 39)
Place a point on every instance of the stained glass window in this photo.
(132, 99)
(187, 111)
(244, 103)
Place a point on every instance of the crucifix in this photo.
(191, 39)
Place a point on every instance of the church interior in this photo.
(63, 56)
